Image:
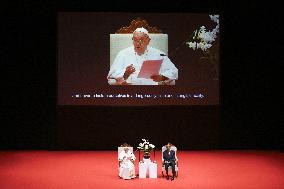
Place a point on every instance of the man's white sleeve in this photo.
(168, 69)
(133, 156)
(120, 156)
(117, 69)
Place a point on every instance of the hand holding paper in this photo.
(150, 68)
(158, 78)
(128, 71)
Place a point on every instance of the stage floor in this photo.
(98, 169)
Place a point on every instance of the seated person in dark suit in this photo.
(169, 158)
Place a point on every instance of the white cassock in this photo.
(126, 169)
(128, 56)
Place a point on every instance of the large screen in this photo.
(137, 59)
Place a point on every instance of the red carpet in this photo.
(98, 169)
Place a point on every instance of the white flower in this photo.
(191, 45)
(215, 31)
(198, 45)
(207, 36)
(214, 18)
(204, 38)
(202, 28)
(206, 46)
(145, 146)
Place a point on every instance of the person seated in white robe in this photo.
(126, 168)
(128, 62)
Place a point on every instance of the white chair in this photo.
(170, 168)
(118, 152)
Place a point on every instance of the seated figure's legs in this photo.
(125, 173)
(127, 170)
(173, 165)
(167, 168)
(132, 172)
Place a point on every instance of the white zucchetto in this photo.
(143, 30)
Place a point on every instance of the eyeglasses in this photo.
(141, 41)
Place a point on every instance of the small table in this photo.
(147, 166)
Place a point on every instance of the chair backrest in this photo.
(119, 42)
(164, 148)
(121, 148)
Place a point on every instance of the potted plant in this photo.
(146, 147)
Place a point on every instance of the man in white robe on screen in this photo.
(128, 62)
(126, 168)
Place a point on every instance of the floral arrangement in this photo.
(146, 147)
(202, 39)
